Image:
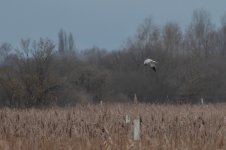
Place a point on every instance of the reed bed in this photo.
(100, 127)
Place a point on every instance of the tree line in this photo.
(191, 66)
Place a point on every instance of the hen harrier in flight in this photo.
(151, 63)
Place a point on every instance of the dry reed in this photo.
(163, 127)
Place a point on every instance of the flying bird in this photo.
(151, 63)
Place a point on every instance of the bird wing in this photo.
(147, 61)
(154, 68)
(152, 64)
(154, 61)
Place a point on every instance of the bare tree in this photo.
(5, 49)
(71, 45)
(222, 33)
(65, 43)
(199, 29)
(29, 77)
(61, 41)
(172, 38)
(148, 35)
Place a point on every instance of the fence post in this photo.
(135, 100)
(127, 119)
(137, 133)
(202, 101)
(136, 129)
(101, 103)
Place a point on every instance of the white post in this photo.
(225, 121)
(127, 119)
(136, 129)
(135, 100)
(202, 101)
(101, 103)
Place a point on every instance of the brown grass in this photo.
(164, 127)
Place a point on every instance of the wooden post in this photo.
(136, 129)
(202, 101)
(101, 103)
(135, 100)
(127, 119)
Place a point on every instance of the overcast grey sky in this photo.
(102, 23)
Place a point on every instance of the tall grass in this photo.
(163, 127)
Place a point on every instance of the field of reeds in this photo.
(99, 127)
